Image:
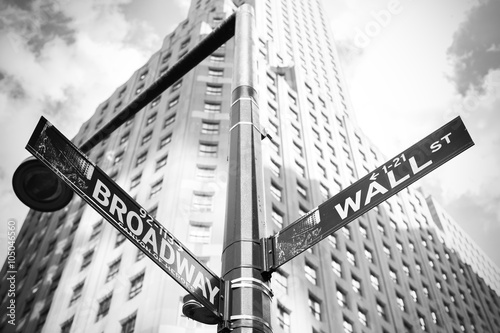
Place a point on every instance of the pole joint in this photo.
(267, 257)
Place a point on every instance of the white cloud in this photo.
(61, 75)
(475, 174)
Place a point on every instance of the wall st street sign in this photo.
(376, 187)
(124, 213)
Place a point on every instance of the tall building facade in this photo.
(395, 269)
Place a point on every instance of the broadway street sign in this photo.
(376, 187)
(124, 213)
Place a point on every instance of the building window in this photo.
(103, 307)
(325, 192)
(280, 283)
(347, 232)
(65, 254)
(212, 107)
(425, 290)
(315, 307)
(173, 102)
(421, 321)
(298, 149)
(393, 275)
(114, 267)
(139, 255)
(215, 72)
(276, 191)
(161, 162)
(356, 285)
(387, 251)
(145, 138)
(136, 285)
(275, 147)
(277, 217)
(199, 233)
(135, 181)
(347, 326)
(169, 121)
(351, 257)
(301, 189)
(210, 127)
(205, 172)
(368, 255)
(141, 159)
(301, 170)
(185, 43)
(363, 317)
(311, 274)
(336, 267)
(434, 318)
(381, 310)
(128, 326)
(406, 269)
(118, 106)
(165, 141)
(283, 318)
(413, 294)
(166, 57)
(120, 238)
(202, 202)
(176, 86)
(275, 168)
(156, 101)
(118, 158)
(208, 149)
(374, 281)
(215, 90)
(66, 326)
(332, 239)
(96, 230)
(153, 211)
(400, 302)
(77, 293)
(217, 58)
(156, 188)
(124, 138)
(342, 298)
(151, 119)
(87, 259)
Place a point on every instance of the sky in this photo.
(410, 66)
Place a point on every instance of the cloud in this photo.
(475, 176)
(68, 57)
(37, 22)
(476, 47)
(61, 60)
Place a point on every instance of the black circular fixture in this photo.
(39, 188)
(197, 311)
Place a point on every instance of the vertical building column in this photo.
(247, 297)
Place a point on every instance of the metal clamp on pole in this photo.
(267, 254)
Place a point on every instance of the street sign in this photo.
(376, 187)
(124, 213)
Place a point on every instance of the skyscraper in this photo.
(396, 269)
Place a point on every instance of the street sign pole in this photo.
(247, 297)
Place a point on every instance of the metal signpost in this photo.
(404, 169)
(124, 213)
(240, 301)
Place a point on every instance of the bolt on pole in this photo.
(247, 297)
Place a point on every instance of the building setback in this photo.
(402, 267)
